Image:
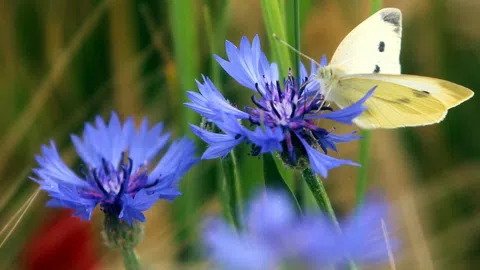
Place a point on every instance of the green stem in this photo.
(130, 260)
(232, 188)
(319, 193)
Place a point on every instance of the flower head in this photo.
(116, 174)
(275, 235)
(282, 114)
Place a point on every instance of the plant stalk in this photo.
(232, 188)
(130, 260)
(320, 194)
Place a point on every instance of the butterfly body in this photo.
(368, 57)
(329, 77)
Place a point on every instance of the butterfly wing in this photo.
(373, 46)
(450, 94)
(391, 106)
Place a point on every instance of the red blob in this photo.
(64, 242)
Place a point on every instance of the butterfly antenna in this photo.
(293, 49)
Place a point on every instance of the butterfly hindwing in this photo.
(391, 106)
(450, 94)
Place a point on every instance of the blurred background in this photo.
(63, 62)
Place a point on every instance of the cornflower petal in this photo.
(53, 168)
(219, 144)
(146, 144)
(363, 237)
(268, 140)
(274, 236)
(330, 140)
(270, 213)
(347, 114)
(321, 163)
(312, 84)
(178, 159)
(248, 65)
(133, 206)
(210, 103)
(232, 251)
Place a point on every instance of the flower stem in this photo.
(232, 188)
(130, 259)
(319, 193)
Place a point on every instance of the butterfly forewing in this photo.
(373, 46)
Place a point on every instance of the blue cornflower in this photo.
(275, 235)
(116, 174)
(282, 116)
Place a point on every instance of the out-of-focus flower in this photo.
(283, 113)
(275, 235)
(61, 243)
(116, 174)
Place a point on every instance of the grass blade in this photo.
(275, 24)
(365, 142)
(184, 34)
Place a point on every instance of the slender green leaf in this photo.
(275, 24)
(184, 33)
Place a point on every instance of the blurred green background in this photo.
(63, 62)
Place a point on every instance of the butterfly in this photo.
(369, 56)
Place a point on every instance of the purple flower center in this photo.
(108, 184)
(285, 108)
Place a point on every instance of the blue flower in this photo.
(282, 116)
(116, 174)
(274, 235)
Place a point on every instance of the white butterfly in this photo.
(370, 56)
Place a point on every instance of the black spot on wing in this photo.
(381, 46)
(377, 69)
(421, 94)
(394, 18)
